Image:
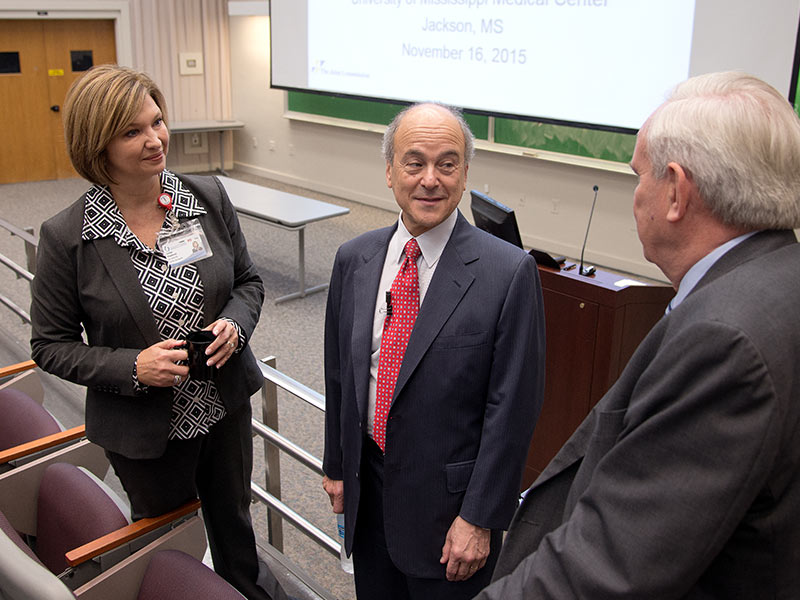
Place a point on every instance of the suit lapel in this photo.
(364, 292)
(450, 282)
(761, 243)
(123, 276)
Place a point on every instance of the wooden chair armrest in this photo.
(42, 443)
(125, 534)
(17, 368)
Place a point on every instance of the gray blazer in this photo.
(684, 481)
(93, 286)
(467, 396)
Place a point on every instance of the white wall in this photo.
(551, 199)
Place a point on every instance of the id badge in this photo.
(184, 244)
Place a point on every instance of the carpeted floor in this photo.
(292, 332)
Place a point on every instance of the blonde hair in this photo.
(98, 107)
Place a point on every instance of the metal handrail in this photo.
(303, 524)
(21, 312)
(295, 388)
(21, 272)
(31, 244)
(276, 442)
(292, 449)
(25, 234)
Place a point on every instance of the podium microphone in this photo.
(588, 271)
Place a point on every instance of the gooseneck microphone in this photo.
(588, 271)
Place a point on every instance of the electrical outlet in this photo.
(255, 141)
(522, 201)
(485, 188)
(291, 149)
(195, 143)
(272, 145)
(556, 204)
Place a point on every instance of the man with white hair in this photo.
(684, 481)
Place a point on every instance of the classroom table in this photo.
(283, 210)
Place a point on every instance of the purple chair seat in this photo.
(22, 419)
(72, 510)
(178, 576)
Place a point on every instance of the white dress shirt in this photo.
(701, 267)
(431, 244)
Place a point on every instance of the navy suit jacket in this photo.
(467, 396)
(93, 286)
(684, 481)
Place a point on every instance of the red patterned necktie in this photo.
(400, 316)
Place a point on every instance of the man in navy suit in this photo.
(684, 481)
(425, 506)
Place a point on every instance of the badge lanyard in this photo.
(183, 243)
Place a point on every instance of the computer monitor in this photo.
(499, 220)
(494, 217)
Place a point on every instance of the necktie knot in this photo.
(412, 250)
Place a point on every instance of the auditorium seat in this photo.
(27, 429)
(22, 577)
(23, 419)
(176, 575)
(72, 509)
(60, 505)
(164, 573)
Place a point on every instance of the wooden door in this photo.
(23, 96)
(50, 55)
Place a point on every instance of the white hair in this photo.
(739, 139)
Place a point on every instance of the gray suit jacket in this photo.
(467, 396)
(93, 286)
(684, 481)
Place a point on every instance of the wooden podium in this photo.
(593, 327)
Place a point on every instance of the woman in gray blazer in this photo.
(119, 285)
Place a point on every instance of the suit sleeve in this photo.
(332, 460)
(247, 295)
(690, 457)
(515, 395)
(57, 344)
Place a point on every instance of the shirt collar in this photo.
(102, 218)
(431, 243)
(701, 267)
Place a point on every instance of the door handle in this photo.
(55, 108)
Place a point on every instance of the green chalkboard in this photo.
(554, 138)
(367, 111)
(797, 97)
(617, 147)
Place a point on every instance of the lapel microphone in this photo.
(588, 271)
(388, 303)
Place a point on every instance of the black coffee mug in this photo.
(197, 343)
